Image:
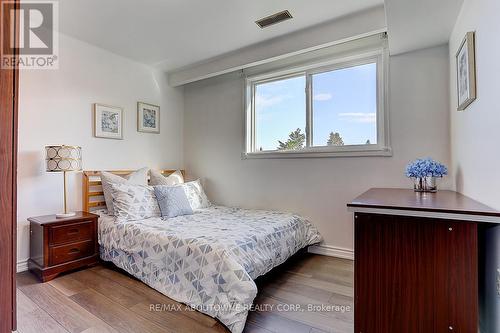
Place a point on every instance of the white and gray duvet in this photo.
(207, 260)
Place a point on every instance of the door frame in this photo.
(9, 87)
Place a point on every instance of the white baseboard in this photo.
(332, 251)
(22, 265)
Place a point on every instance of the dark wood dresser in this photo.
(417, 261)
(58, 245)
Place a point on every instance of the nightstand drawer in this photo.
(69, 252)
(71, 232)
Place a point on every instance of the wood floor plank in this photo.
(68, 285)
(317, 294)
(315, 330)
(311, 282)
(334, 271)
(311, 263)
(117, 316)
(332, 278)
(251, 327)
(337, 299)
(339, 311)
(116, 292)
(154, 297)
(105, 299)
(277, 323)
(67, 313)
(291, 297)
(32, 319)
(24, 304)
(173, 321)
(26, 278)
(92, 330)
(321, 320)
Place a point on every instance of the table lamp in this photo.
(62, 158)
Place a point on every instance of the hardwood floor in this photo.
(104, 299)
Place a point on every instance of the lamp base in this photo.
(63, 215)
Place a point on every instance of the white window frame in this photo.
(381, 148)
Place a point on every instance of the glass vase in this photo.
(425, 184)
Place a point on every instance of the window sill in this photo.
(319, 153)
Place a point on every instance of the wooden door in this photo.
(414, 275)
(8, 159)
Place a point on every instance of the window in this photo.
(333, 109)
(279, 108)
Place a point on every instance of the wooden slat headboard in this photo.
(93, 197)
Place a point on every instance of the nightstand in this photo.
(58, 245)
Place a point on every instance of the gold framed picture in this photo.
(148, 118)
(466, 71)
(108, 121)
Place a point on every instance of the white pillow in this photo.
(139, 177)
(156, 178)
(134, 202)
(196, 195)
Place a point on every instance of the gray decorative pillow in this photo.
(156, 178)
(139, 177)
(134, 202)
(172, 201)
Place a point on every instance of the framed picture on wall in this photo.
(108, 121)
(466, 72)
(148, 118)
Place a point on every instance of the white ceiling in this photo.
(171, 34)
(418, 24)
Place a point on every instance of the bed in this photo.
(208, 260)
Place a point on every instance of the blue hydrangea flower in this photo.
(426, 167)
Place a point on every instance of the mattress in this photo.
(207, 260)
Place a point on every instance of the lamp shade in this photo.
(63, 158)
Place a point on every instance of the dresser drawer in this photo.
(64, 253)
(71, 232)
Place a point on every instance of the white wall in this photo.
(475, 135)
(475, 131)
(317, 188)
(55, 107)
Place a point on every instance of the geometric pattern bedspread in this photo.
(207, 260)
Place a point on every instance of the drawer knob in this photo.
(450, 229)
(450, 328)
(74, 250)
(73, 231)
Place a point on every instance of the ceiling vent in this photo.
(273, 19)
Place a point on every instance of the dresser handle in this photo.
(73, 231)
(74, 250)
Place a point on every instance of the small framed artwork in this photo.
(148, 118)
(108, 121)
(466, 72)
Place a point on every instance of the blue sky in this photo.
(344, 101)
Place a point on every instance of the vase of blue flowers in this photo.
(424, 173)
